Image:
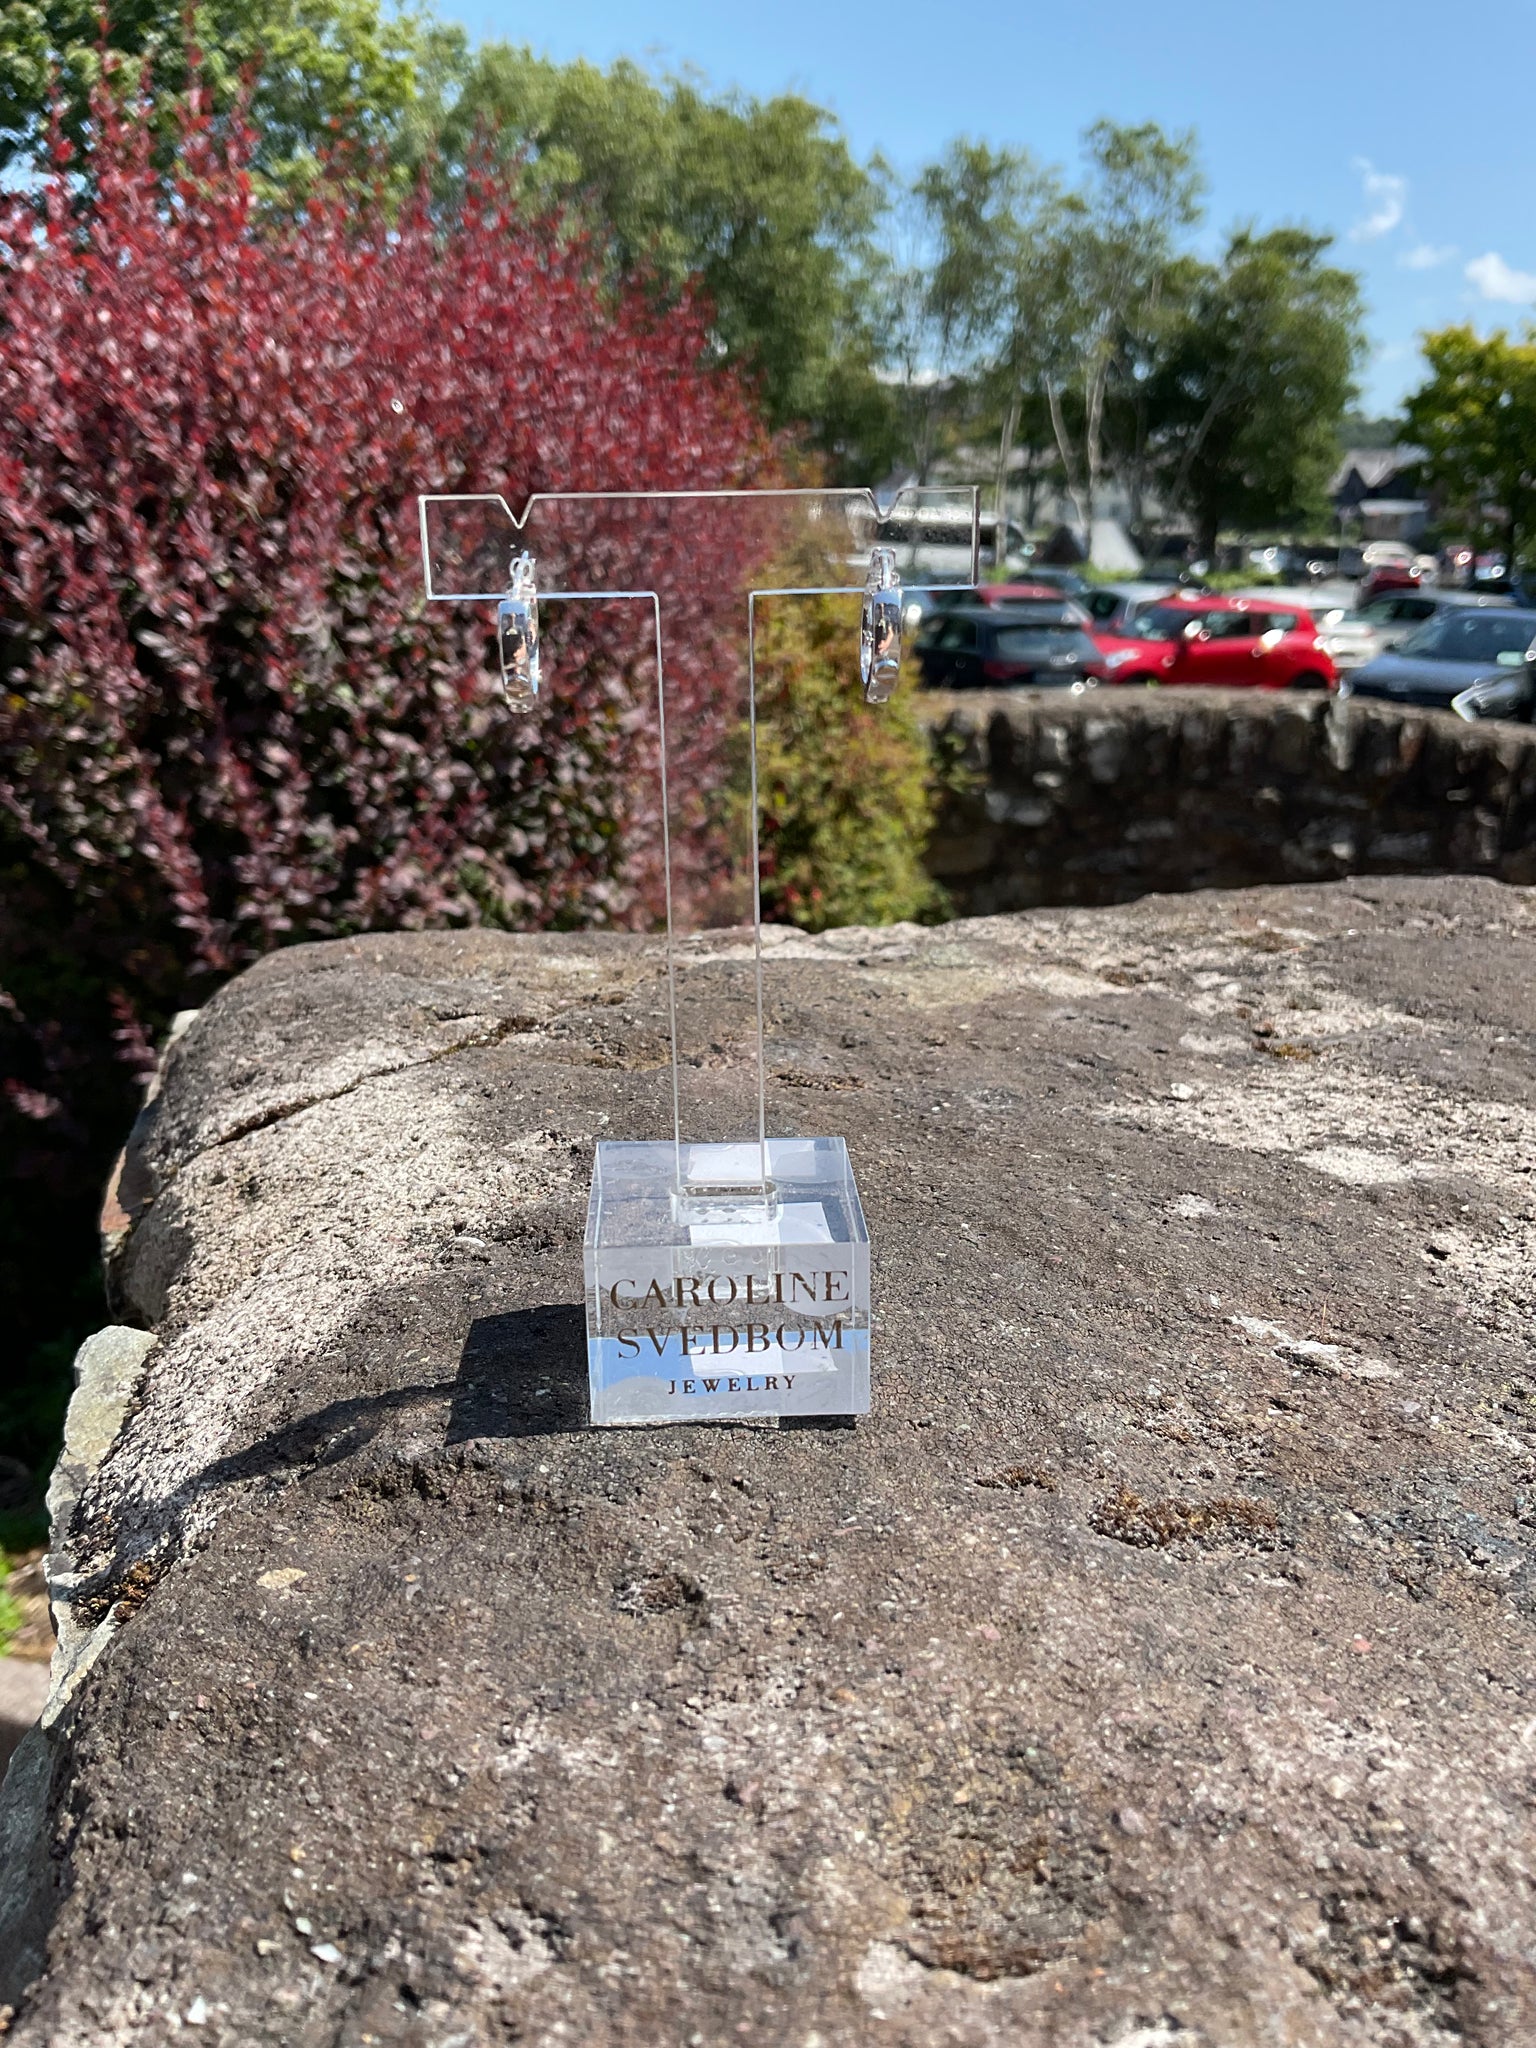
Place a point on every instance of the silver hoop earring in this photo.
(880, 628)
(517, 637)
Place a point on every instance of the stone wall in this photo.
(1100, 799)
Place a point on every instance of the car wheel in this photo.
(1308, 680)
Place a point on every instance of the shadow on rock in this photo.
(326, 1436)
(523, 1373)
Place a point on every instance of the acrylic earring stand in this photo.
(727, 1277)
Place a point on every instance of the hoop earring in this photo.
(517, 637)
(880, 628)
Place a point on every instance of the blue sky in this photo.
(1406, 131)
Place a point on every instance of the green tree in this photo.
(978, 211)
(1256, 370)
(897, 287)
(1091, 292)
(760, 200)
(1054, 297)
(1475, 414)
(1028, 333)
(321, 73)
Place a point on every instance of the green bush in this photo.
(844, 787)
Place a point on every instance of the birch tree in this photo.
(1092, 282)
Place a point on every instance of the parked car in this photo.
(1388, 576)
(1111, 606)
(1345, 636)
(1396, 617)
(1235, 642)
(1288, 558)
(1067, 581)
(978, 647)
(1347, 639)
(1499, 583)
(1461, 645)
(1358, 635)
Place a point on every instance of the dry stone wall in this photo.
(1106, 797)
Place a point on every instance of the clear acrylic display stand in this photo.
(727, 1270)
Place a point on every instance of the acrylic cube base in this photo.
(711, 1301)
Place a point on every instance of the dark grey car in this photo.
(1459, 646)
(1040, 646)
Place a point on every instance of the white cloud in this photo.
(1387, 195)
(1496, 280)
(1426, 256)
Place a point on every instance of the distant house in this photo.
(1380, 487)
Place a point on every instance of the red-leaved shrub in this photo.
(227, 720)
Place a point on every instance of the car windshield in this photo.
(1471, 636)
(1162, 622)
(1044, 643)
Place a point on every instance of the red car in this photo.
(1234, 642)
(1390, 576)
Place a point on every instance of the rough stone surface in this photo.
(1101, 798)
(1152, 1668)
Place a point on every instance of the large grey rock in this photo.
(1153, 1666)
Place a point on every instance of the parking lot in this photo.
(1411, 630)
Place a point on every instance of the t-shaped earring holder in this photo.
(727, 1276)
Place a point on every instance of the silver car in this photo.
(1354, 636)
(1113, 606)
